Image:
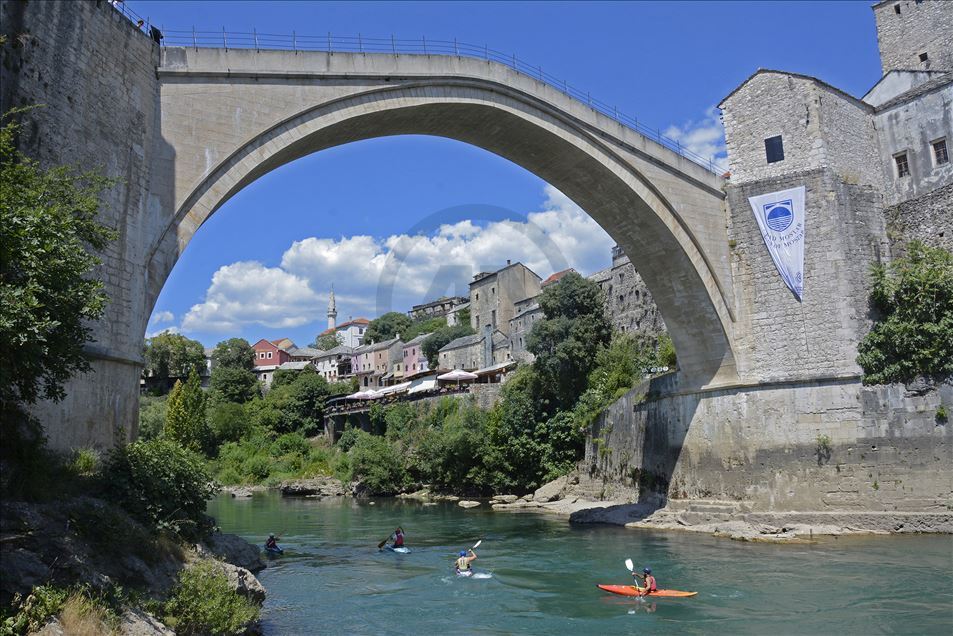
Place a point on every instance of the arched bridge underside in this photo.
(230, 116)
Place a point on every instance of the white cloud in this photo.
(371, 275)
(705, 137)
(247, 293)
(162, 316)
(165, 330)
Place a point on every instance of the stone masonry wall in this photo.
(819, 127)
(924, 219)
(629, 304)
(778, 336)
(920, 27)
(94, 74)
(787, 447)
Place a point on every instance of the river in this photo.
(540, 575)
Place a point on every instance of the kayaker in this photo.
(463, 563)
(648, 581)
(272, 542)
(398, 537)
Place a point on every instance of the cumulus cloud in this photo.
(374, 275)
(165, 330)
(704, 137)
(162, 316)
(247, 293)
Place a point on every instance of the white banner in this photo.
(780, 216)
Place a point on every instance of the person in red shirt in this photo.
(648, 581)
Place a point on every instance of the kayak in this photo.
(464, 573)
(274, 550)
(400, 550)
(631, 590)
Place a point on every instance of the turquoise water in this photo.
(540, 575)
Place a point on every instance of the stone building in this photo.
(478, 351)
(493, 296)
(528, 312)
(437, 308)
(859, 160)
(629, 305)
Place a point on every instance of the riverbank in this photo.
(123, 570)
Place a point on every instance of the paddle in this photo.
(380, 546)
(631, 568)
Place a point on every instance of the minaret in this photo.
(332, 311)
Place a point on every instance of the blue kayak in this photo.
(274, 551)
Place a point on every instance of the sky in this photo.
(421, 215)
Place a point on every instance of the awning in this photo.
(397, 388)
(457, 375)
(496, 368)
(419, 386)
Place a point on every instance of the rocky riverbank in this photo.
(88, 542)
(584, 500)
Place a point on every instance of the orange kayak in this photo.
(631, 590)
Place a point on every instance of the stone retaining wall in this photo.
(830, 445)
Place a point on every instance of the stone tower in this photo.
(332, 311)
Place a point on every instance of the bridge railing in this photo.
(330, 43)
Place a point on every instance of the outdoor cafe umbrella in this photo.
(458, 374)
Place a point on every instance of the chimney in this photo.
(507, 261)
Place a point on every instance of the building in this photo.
(268, 353)
(875, 171)
(629, 305)
(350, 333)
(493, 296)
(372, 362)
(332, 311)
(895, 140)
(475, 352)
(334, 365)
(455, 315)
(528, 312)
(437, 308)
(414, 362)
(303, 354)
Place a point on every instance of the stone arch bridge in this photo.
(187, 128)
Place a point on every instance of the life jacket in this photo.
(463, 564)
(398, 540)
(650, 583)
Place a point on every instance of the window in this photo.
(903, 168)
(924, 57)
(896, 9)
(264, 376)
(493, 290)
(493, 314)
(940, 154)
(269, 355)
(261, 355)
(478, 296)
(774, 149)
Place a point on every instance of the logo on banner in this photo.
(778, 216)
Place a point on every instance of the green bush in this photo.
(229, 422)
(152, 412)
(290, 443)
(85, 462)
(914, 334)
(163, 484)
(34, 611)
(229, 476)
(377, 465)
(257, 468)
(203, 603)
(347, 439)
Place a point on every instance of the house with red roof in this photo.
(350, 333)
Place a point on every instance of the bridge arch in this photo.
(665, 215)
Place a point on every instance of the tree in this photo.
(172, 355)
(567, 341)
(914, 334)
(434, 342)
(185, 415)
(48, 236)
(232, 384)
(234, 353)
(423, 326)
(326, 342)
(386, 327)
